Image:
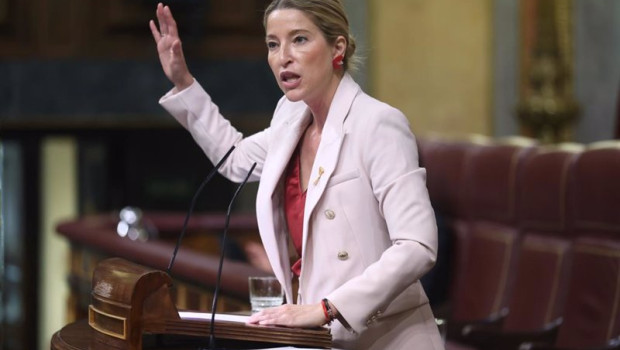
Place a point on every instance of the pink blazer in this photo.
(369, 230)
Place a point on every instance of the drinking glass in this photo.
(265, 292)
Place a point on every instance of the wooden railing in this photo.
(94, 238)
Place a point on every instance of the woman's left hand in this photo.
(291, 315)
(169, 48)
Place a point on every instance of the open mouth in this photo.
(289, 77)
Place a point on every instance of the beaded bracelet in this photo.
(327, 311)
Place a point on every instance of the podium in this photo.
(131, 303)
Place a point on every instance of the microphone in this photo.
(191, 206)
(221, 263)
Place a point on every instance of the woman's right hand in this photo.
(169, 48)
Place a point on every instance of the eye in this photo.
(300, 39)
(272, 45)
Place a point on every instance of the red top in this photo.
(294, 204)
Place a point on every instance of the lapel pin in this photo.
(321, 171)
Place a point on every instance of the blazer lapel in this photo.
(284, 140)
(329, 149)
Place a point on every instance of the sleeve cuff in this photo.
(173, 93)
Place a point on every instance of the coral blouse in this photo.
(294, 205)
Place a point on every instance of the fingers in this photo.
(161, 19)
(171, 24)
(290, 315)
(154, 31)
(167, 24)
(265, 314)
(272, 316)
(255, 318)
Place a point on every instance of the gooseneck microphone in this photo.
(221, 263)
(191, 206)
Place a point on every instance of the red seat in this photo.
(543, 190)
(595, 192)
(539, 292)
(542, 273)
(536, 302)
(489, 239)
(591, 315)
(591, 312)
(443, 160)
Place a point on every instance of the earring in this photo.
(338, 62)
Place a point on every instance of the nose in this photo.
(285, 55)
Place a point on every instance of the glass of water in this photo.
(265, 292)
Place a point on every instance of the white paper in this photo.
(192, 315)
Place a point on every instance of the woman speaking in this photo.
(339, 181)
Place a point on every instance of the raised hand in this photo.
(169, 48)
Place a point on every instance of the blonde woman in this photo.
(339, 181)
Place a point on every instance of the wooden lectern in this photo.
(130, 301)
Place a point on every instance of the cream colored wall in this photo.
(432, 60)
(59, 202)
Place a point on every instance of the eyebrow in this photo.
(291, 33)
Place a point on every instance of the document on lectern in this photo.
(236, 327)
(192, 315)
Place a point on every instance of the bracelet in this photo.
(327, 311)
(327, 319)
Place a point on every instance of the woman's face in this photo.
(300, 57)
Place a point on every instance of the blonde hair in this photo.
(329, 16)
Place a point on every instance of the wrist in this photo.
(184, 83)
(329, 311)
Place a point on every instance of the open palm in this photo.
(169, 48)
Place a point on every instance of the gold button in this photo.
(329, 214)
(371, 320)
(342, 255)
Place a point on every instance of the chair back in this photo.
(489, 240)
(541, 274)
(591, 314)
(594, 192)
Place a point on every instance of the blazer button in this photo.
(329, 214)
(343, 255)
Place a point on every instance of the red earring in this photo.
(337, 62)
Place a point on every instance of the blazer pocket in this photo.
(346, 176)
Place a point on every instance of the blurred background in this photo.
(81, 131)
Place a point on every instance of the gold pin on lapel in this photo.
(321, 171)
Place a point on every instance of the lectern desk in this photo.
(78, 335)
(129, 301)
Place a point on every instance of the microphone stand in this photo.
(221, 262)
(191, 206)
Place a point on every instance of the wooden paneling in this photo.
(119, 28)
(4, 11)
(16, 37)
